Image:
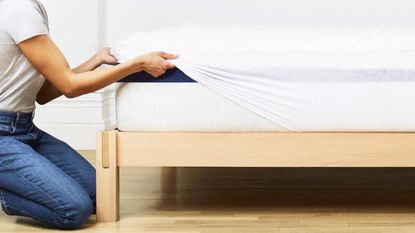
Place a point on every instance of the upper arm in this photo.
(44, 55)
(28, 28)
(22, 20)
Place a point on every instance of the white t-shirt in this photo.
(19, 80)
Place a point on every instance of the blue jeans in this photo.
(42, 177)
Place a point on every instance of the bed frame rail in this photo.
(266, 149)
(245, 149)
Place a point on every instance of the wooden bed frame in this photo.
(247, 149)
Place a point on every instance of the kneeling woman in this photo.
(42, 177)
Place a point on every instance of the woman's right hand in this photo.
(156, 64)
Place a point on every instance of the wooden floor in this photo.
(258, 200)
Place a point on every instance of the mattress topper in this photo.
(254, 66)
(289, 55)
(296, 65)
(210, 37)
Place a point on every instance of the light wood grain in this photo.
(137, 149)
(107, 178)
(226, 200)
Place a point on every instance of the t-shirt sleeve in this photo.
(23, 21)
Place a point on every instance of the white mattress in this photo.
(351, 106)
(333, 86)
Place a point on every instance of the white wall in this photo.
(79, 30)
(124, 17)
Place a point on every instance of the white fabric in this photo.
(329, 106)
(256, 37)
(248, 67)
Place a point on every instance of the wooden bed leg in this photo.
(108, 191)
(168, 179)
(168, 185)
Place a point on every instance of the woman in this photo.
(42, 177)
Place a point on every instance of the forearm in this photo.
(48, 92)
(91, 64)
(87, 82)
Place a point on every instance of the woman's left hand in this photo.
(105, 57)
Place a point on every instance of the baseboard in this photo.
(75, 121)
(79, 136)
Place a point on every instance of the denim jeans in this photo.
(42, 177)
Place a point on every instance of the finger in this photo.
(150, 72)
(169, 56)
(159, 70)
(159, 53)
(170, 66)
(167, 65)
(157, 74)
(110, 60)
(160, 73)
(114, 58)
(113, 61)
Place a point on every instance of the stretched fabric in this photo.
(252, 66)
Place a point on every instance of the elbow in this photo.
(71, 89)
(42, 99)
(41, 102)
(71, 93)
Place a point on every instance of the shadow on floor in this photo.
(291, 189)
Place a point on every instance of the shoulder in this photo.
(22, 19)
(19, 10)
(11, 7)
(16, 4)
